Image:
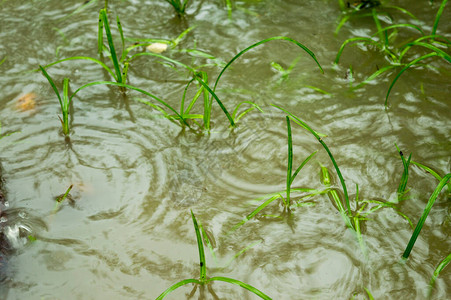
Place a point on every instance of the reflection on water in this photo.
(128, 233)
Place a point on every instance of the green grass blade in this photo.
(381, 32)
(256, 211)
(437, 50)
(312, 55)
(413, 62)
(429, 170)
(290, 161)
(374, 75)
(66, 102)
(403, 10)
(208, 242)
(301, 166)
(253, 106)
(207, 102)
(405, 175)
(109, 37)
(200, 246)
(121, 33)
(226, 112)
(337, 169)
(53, 85)
(385, 29)
(83, 58)
(241, 284)
(131, 88)
(295, 119)
(176, 286)
(425, 214)
(440, 268)
(164, 58)
(2, 61)
(437, 17)
(177, 40)
(354, 40)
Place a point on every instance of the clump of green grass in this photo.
(203, 279)
(384, 39)
(63, 99)
(179, 6)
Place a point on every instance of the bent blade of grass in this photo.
(224, 109)
(177, 40)
(109, 37)
(400, 26)
(2, 61)
(164, 58)
(82, 58)
(337, 169)
(132, 88)
(241, 284)
(200, 246)
(241, 252)
(403, 10)
(354, 40)
(176, 286)
(380, 31)
(437, 50)
(429, 170)
(439, 269)
(253, 106)
(374, 75)
(50, 80)
(208, 242)
(256, 211)
(301, 166)
(405, 175)
(437, 17)
(413, 62)
(297, 120)
(425, 214)
(312, 55)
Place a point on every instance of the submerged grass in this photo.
(425, 214)
(203, 279)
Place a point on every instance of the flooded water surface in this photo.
(125, 231)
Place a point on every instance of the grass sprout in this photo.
(64, 100)
(203, 279)
(425, 214)
(179, 6)
(405, 175)
(442, 265)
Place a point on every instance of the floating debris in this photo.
(157, 47)
(27, 101)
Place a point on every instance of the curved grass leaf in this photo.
(132, 88)
(400, 26)
(425, 214)
(200, 246)
(82, 58)
(176, 286)
(403, 10)
(437, 17)
(241, 284)
(429, 170)
(337, 169)
(312, 55)
(413, 62)
(256, 211)
(405, 174)
(439, 269)
(353, 40)
(253, 106)
(104, 17)
(374, 75)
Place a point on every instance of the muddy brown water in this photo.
(128, 232)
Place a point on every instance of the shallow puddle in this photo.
(126, 232)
